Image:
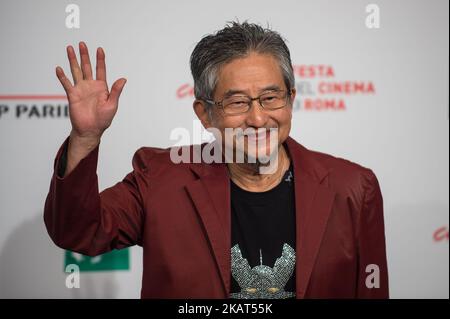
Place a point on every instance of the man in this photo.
(310, 227)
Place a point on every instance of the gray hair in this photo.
(236, 40)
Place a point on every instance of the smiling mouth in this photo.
(259, 134)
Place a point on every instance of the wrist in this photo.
(87, 142)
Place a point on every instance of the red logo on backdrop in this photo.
(317, 89)
(185, 90)
(441, 234)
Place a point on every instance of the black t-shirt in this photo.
(263, 241)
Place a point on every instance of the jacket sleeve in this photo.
(372, 263)
(81, 219)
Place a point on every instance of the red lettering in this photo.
(313, 71)
(324, 104)
(346, 87)
(441, 234)
(185, 90)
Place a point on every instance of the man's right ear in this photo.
(201, 110)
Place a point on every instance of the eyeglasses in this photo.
(239, 104)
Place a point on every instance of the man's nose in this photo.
(256, 116)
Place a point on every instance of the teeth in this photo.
(259, 134)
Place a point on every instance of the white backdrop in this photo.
(397, 125)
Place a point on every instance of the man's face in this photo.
(250, 76)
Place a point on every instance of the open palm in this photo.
(91, 105)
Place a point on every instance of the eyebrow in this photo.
(231, 92)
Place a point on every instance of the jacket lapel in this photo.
(313, 202)
(211, 197)
(210, 194)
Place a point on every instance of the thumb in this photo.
(116, 89)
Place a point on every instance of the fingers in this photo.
(101, 66)
(116, 90)
(85, 61)
(74, 67)
(63, 79)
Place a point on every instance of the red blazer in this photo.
(180, 215)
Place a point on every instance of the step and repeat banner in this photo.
(372, 80)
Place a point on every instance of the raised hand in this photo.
(91, 105)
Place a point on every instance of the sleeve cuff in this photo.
(89, 162)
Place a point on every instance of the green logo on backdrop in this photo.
(114, 260)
